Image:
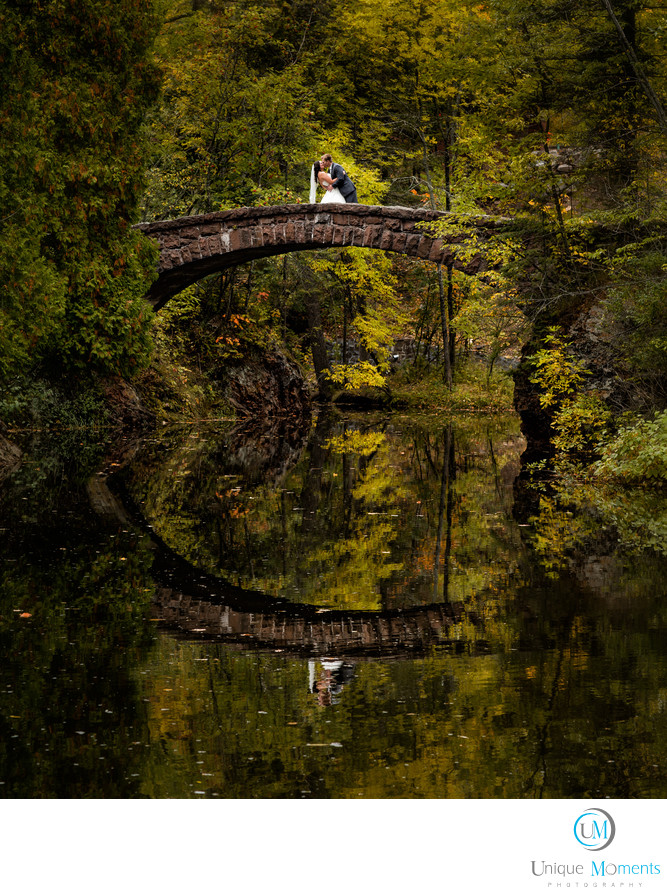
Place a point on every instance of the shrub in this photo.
(637, 454)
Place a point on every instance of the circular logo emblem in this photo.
(594, 829)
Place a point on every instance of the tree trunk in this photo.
(637, 69)
(450, 316)
(318, 347)
(444, 322)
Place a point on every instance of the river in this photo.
(369, 607)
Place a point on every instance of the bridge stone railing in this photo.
(194, 247)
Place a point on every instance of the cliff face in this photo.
(266, 386)
(10, 456)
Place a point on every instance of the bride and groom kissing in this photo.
(334, 181)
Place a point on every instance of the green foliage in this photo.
(38, 404)
(578, 418)
(582, 515)
(637, 454)
(355, 441)
(420, 387)
(557, 372)
(580, 422)
(234, 126)
(343, 522)
(73, 89)
(447, 105)
(353, 377)
(636, 314)
(492, 321)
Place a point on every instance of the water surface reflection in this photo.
(373, 515)
(353, 613)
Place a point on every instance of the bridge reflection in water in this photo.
(507, 679)
(402, 608)
(201, 605)
(331, 634)
(198, 604)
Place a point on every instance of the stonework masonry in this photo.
(194, 247)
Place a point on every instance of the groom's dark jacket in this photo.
(343, 182)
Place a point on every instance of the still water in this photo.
(372, 607)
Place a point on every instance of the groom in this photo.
(340, 179)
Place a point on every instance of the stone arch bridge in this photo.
(194, 247)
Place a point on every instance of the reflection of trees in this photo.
(369, 517)
(574, 709)
(444, 511)
(539, 684)
(71, 719)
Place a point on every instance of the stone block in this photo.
(214, 246)
(436, 251)
(356, 236)
(399, 242)
(236, 240)
(301, 232)
(372, 220)
(173, 240)
(256, 236)
(423, 247)
(171, 259)
(339, 218)
(339, 235)
(188, 233)
(412, 241)
(387, 241)
(210, 228)
(373, 236)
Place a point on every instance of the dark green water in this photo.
(375, 608)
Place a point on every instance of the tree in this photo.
(76, 80)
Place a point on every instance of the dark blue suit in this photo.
(345, 185)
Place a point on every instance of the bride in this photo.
(321, 178)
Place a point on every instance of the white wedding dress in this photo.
(335, 195)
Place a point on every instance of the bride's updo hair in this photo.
(317, 168)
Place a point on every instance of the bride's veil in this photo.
(313, 186)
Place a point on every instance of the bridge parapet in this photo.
(194, 247)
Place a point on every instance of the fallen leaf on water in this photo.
(25, 615)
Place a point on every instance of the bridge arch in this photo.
(194, 247)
